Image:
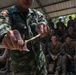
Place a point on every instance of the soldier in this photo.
(54, 51)
(70, 33)
(25, 23)
(70, 22)
(60, 32)
(51, 24)
(68, 51)
(60, 23)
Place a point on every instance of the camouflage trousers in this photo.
(24, 73)
(35, 71)
(68, 64)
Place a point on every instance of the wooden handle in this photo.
(33, 38)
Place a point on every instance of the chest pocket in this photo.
(20, 25)
(33, 24)
(18, 22)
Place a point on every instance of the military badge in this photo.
(4, 13)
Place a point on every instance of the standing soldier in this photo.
(51, 24)
(60, 23)
(54, 51)
(21, 23)
(70, 22)
(68, 51)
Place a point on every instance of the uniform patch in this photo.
(4, 13)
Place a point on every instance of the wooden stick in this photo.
(26, 41)
(33, 38)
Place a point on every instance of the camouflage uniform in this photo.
(25, 63)
(68, 49)
(55, 50)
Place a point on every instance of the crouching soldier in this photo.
(54, 51)
(68, 51)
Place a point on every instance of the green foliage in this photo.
(64, 19)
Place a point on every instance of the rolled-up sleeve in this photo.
(41, 18)
(4, 26)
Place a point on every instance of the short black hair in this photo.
(67, 36)
(54, 35)
(70, 17)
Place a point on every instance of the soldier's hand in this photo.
(53, 57)
(56, 57)
(42, 29)
(12, 40)
(69, 56)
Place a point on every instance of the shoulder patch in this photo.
(4, 12)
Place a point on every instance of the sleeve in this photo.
(49, 49)
(63, 50)
(60, 44)
(4, 26)
(41, 18)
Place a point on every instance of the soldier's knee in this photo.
(64, 59)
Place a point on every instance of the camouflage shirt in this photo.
(25, 23)
(54, 49)
(68, 49)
